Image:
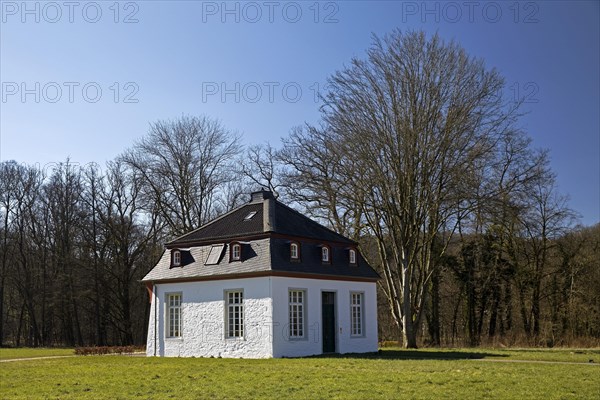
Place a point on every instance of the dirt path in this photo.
(69, 356)
(34, 358)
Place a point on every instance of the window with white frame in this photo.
(173, 303)
(176, 258)
(235, 314)
(294, 251)
(356, 314)
(352, 256)
(236, 252)
(325, 254)
(296, 313)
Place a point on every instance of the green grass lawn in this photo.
(395, 373)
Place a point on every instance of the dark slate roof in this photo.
(271, 217)
(262, 252)
(290, 222)
(230, 225)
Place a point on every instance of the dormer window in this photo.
(176, 258)
(325, 254)
(352, 256)
(236, 252)
(214, 255)
(294, 251)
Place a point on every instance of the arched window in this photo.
(352, 256)
(236, 252)
(294, 251)
(325, 254)
(176, 258)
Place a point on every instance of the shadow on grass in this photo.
(416, 355)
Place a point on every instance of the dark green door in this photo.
(328, 312)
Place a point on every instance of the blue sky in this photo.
(84, 79)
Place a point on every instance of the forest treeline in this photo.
(76, 243)
(418, 157)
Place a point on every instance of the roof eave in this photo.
(257, 274)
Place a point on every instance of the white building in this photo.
(261, 281)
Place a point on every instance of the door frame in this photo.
(335, 322)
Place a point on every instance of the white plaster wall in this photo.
(266, 320)
(203, 320)
(150, 343)
(283, 346)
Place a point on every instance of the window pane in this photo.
(215, 254)
(356, 314)
(235, 314)
(296, 313)
(173, 315)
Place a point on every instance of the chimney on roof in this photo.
(266, 197)
(261, 195)
(269, 214)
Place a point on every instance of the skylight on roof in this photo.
(215, 254)
(250, 215)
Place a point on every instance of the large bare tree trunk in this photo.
(409, 336)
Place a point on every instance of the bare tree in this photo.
(62, 199)
(183, 164)
(95, 244)
(232, 194)
(485, 267)
(261, 167)
(575, 299)
(313, 178)
(18, 187)
(130, 233)
(417, 118)
(546, 218)
(26, 294)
